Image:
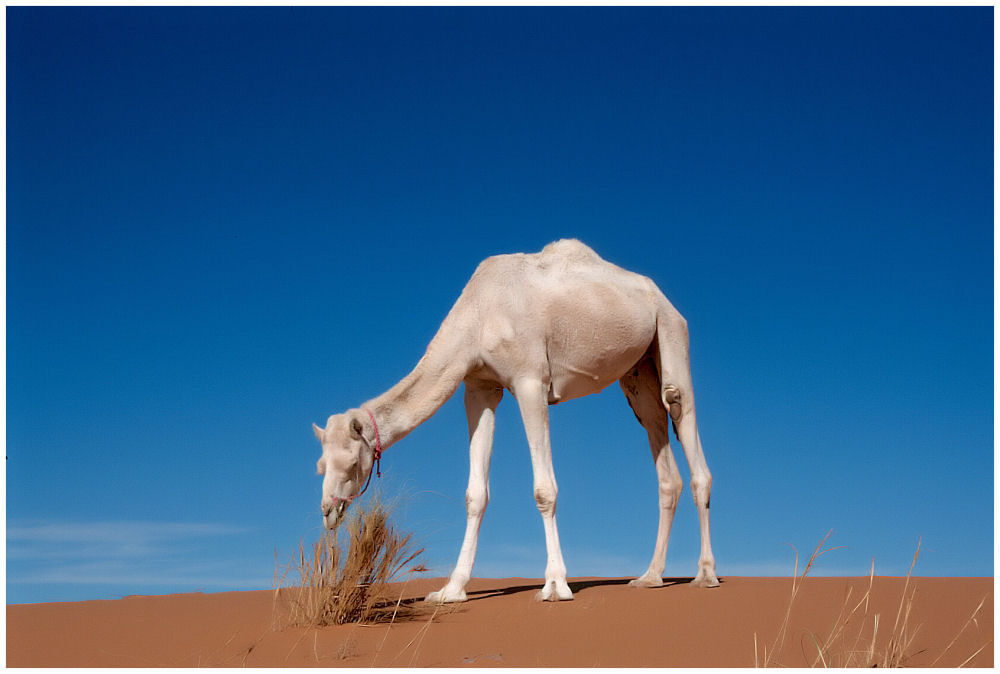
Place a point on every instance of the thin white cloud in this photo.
(103, 540)
(122, 532)
(128, 574)
(123, 553)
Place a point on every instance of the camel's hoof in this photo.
(646, 581)
(554, 591)
(443, 596)
(705, 580)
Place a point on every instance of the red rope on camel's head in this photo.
(378, 445)
(377, 452)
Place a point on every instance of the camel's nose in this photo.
(333, 512)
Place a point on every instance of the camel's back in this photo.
(563, 267)
(583, 313)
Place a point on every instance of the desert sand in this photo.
(609, 624)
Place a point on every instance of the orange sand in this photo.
(609, 624)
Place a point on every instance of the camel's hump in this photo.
(558, 255)
(570, 249)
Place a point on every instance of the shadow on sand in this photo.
(575, 586)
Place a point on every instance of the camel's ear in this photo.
(319, 432)
(356, 428)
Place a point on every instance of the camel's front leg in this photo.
(481, 401)
(532, 398)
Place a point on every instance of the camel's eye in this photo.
(321, 466)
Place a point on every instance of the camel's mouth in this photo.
(333, 519)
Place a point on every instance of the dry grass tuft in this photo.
(337, 586)
(853, 639)
(779, 641)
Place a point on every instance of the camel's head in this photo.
(345, 465)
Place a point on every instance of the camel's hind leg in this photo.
(677, 393)
(642, 389)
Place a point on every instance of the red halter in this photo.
(377, 452)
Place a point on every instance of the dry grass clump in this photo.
(853, 640)
(337, 586)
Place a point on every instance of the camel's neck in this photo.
(421, 393)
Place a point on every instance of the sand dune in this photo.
(609, 624)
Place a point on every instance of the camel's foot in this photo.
(647, 580)
(554, 590)
(446, 595)
(705, 579)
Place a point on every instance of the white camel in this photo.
(547, 327)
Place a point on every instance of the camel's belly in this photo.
(569, 379)
(588, 350)
(584, 333)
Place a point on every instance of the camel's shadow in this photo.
(575, 586)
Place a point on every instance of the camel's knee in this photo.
(476, 499)
(701, 488)
(545, 498)
(670, 491)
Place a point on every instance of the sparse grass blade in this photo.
(818, 552)
(971, 620)
(851, 623)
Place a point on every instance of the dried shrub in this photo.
(337, 585)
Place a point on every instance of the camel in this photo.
(548, 327)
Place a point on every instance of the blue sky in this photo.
(226, 224)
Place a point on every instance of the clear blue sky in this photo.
(226, 224)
